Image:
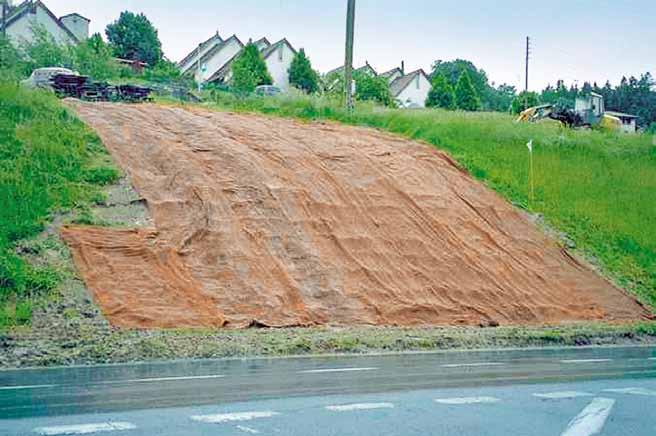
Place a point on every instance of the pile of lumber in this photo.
(83, 88)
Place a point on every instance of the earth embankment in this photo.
(274, 222)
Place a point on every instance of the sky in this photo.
(573, 40)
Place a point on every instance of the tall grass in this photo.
(597, 187)
(48, 163)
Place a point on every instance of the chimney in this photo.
(403, 67)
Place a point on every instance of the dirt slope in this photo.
(275, 222)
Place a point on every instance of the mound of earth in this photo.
(273, 222)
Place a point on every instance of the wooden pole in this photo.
(348, 64)
(4, 18)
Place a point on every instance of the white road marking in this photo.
(458, 365)
(160, 379)
(318, 371)
(467, 400)
(11, 388)
(586, 360)
(247, 429)
(633, 391)
(360, 406)
(591, 420)
(562, 395)
(652, 358)
(85, 428)
(230, 417)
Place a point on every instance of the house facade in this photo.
(278, 58)
(411, 90)
(24, 17)
(214, 64)
(215, 59)
(191, 60)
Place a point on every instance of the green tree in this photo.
(491, 97)
(249, 70)
(301, 74)
(134, 37)
(441, 93)
(372, 88)
(466, 96)
(524, 100)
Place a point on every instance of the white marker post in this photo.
(531, 195)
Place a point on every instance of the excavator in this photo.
(588, 112)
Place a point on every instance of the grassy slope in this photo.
(49, 162)
(597, 187)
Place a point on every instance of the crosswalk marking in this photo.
(467, 400)
(230, 417)
(561, 395)
(85, 428)
(360, 406)
(632, 391)
(586, 360)
(591, 420)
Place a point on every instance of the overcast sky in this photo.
(579, 40)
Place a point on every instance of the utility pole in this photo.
(348, 64)
(528, 56)
(4, 18)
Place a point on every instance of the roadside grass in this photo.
(49, 163)
(597, 188)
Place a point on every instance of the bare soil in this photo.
(272, 222)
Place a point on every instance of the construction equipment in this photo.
(589, 111)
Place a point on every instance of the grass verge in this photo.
(49, 163)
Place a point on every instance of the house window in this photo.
(417, 81)
(280, 54)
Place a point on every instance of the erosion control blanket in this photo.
(273, 222)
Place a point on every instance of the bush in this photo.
(372, 88)
(249, 70)
(94, 58)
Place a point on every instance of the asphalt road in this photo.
(605, 391)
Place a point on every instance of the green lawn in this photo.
(597, 187)
(49, 162)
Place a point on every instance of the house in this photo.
(393, 74)
(629, 122)
(411, 90)
(366, 68)
(214, 59)
(278, 58)
(191, 59)
(22, 18)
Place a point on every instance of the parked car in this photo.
(267, 90)
(42, 77)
